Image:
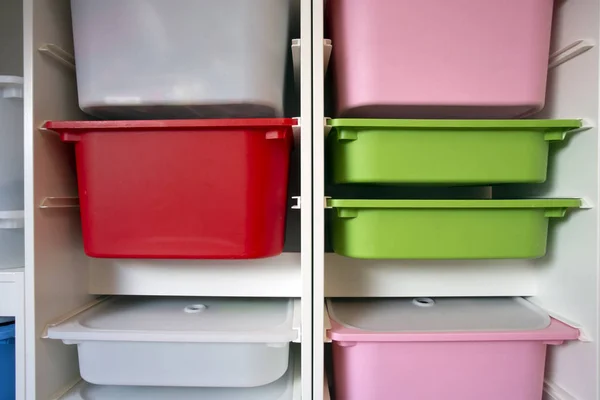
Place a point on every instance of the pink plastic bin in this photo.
(440, 58)
(452, 349)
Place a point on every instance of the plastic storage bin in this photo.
(7, 359)
(452, 349)
(439, 58)
(182, 188)
(444, 229)
(12, 242)
(190, 342)
(194, 59)
(442, 151)
(285, 388)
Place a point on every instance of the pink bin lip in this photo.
(555, 333)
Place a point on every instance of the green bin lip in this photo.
(535, 124)
(456, 204)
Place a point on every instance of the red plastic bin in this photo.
(181, 188)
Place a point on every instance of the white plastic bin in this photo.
(285, 388)
(185, 59)
(447, 348)
(12, 245)
(189, 342)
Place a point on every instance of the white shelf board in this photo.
(265, 277)
(349, 277)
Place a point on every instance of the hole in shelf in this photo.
(195, 308)
(423, 302)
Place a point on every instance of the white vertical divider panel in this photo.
(318, 197)
(568, 277)
(306, 207)
(55, 265)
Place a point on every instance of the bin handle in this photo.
(347, 213)
(555, 212)
(69, 137)
(275, 135)
(345, 135)
(552, 136)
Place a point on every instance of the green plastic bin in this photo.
(396, 151)
(443, 229)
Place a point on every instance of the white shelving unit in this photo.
(58, 279)
(565, 282)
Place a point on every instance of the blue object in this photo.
(7, 361)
